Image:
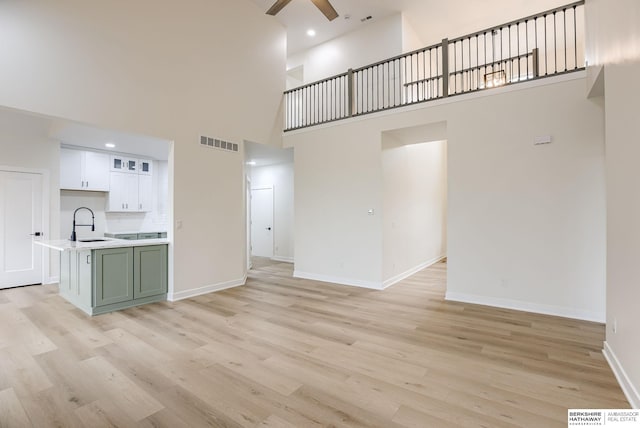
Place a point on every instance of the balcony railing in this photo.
(541, 45)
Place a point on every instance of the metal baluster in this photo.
(455, 68)
(477, 70)
(555, 44)
(370, 88)
(575, 38)
(564, 25)
(437, 85)
(525, 56)
(546, 57)
(470, 71)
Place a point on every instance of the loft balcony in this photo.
(538, 46)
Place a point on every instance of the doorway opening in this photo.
(414, 165)
(270, 195)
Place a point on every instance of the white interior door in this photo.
(20, 219)
(262, 222)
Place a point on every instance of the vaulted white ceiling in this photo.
(301, 15)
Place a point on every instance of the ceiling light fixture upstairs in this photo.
(110, 146)
(311, 32)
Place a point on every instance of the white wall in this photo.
(526, 225)
(614, 42)
(376, 41)
(338, 180)
(70, 200)
(414, 206)
(175, 70)
(411, 41)
(24, 143)
(434, 21)
(280, 177)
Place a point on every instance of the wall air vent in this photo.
(216, 143)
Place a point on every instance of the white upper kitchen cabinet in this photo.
(145, 193)
(123, 196)
(119, 163)
(145, 167)
(84, 170)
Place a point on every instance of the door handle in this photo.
(37, 234)
(268, 228)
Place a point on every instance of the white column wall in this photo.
(614, 42)
(338, 180)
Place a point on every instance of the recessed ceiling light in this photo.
(311, 32)
(110, 145)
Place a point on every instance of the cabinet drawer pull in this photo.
(88, 261)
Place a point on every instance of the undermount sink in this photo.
(93, 240)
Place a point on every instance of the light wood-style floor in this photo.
(282, 352)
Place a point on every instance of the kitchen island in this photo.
(106, 274)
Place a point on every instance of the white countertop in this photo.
(66, 245)
(131, 232)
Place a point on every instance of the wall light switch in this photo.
(370, 212)
(541, 139)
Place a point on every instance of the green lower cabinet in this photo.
(112, 276)
(150, 272)
(129, 276)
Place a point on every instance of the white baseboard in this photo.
(406, 274)
(518, 305)
(52, 280)
(180, 295)
(630, 391)
(337, 280)
(282, 259)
